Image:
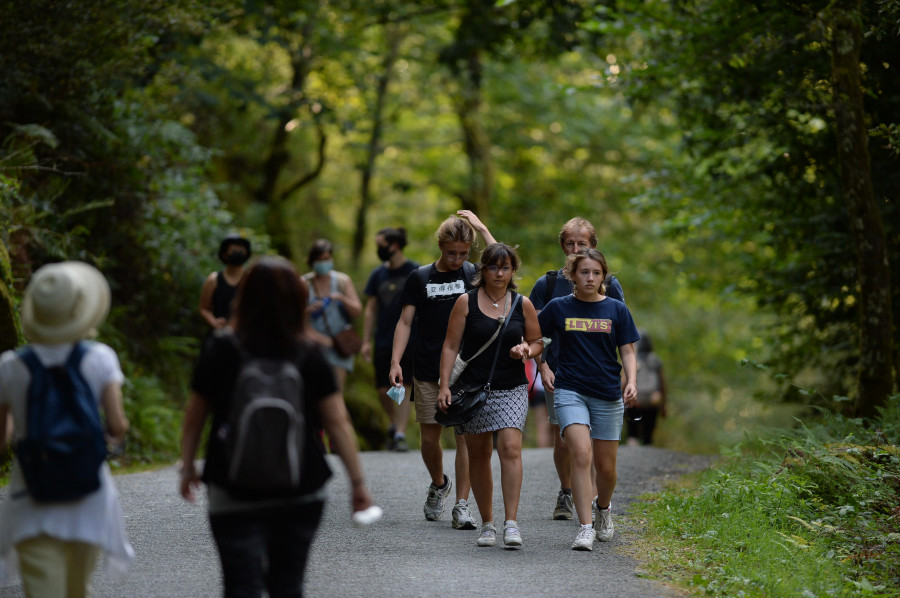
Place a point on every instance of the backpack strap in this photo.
(468, 272)
(422, 273)
(550, 279)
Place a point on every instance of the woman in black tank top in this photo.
(220, 287)
(475, 318)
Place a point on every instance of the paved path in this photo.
(403, 556)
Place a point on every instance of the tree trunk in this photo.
(875, 374)
(373, 148)
(477, 144)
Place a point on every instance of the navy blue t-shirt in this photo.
(589, 335)
(564, 287)
(385, 285)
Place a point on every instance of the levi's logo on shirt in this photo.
(588, 325)
(442, 290)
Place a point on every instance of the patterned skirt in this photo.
(503, 409)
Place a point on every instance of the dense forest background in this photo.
(739, 160)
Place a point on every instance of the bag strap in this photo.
(325, 321)
(497, 352)
(550, 285)
(496, 332)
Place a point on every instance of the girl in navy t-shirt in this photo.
(590, 328)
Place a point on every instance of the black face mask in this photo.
(384, 253)
(236, 258)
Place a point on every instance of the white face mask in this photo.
(323, 267)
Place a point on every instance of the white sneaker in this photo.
(604, 523)
(462, 517)
(511, 536)
(585, 539)
(434, 501)
(488, 535)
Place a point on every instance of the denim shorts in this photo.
(604, 418)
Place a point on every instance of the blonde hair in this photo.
(455, 229)
(586, 254)
(573, 225)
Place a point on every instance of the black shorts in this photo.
(382, 362)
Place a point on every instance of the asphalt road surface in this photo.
(403, 556)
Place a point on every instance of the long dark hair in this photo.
(269, 308)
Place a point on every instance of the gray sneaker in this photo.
(584, 540)
(400, 445)
(604, 526)
(462, 517)
(511, 536)
(488, 535)
(563, 506)
(434, 501)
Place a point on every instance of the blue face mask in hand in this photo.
(323, 267)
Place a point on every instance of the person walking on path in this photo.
(381, 315)
(58, 543)
(219, 288)
(651, 397)
(575, 235)
(473, 323)
(428, 298)
(333, 304)
(588, 397)
(263, 538)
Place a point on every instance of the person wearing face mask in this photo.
(333, 303)
(381, 315)
(219, 288)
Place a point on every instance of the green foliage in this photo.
(810, 512)
(754, 187)
(154, 418)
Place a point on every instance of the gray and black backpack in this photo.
(265, 431)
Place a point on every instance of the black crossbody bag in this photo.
(466, 400)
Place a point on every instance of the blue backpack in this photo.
(64, 446)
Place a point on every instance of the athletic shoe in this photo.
(584, 540)
(511, 536)
(462, 518)
(604, 519)
(400, 445)
(563, 506)
(434, 501)
(488, 535)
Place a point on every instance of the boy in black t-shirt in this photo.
(428, 298)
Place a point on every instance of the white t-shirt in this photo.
(96, 518)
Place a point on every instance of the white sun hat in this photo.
(64, 302)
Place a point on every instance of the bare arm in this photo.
(116, 422)
(629, 360)
(478, 225)
(337, 424)
(401, 338)
(532, 343)
(206, 295)
(456, 326)
(548, 378)
(194, 419)
(368, 327)
(349, 297)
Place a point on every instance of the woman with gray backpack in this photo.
(268, 391)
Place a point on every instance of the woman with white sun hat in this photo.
(58, 543)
